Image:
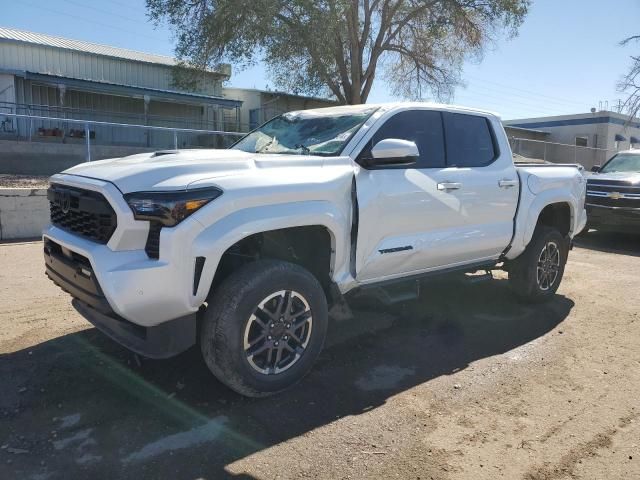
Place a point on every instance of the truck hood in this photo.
(633, 177)
(178, 169)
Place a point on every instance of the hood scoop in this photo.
(161, 153)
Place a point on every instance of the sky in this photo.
(565, 59)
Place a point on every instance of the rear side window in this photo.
(424, 127)
(469, 140)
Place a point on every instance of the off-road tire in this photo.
(523, 271)
(229, 310)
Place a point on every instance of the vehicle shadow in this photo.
(610, 242)
(115, 416)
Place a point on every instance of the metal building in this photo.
(258, 106)
(56, 77)
(586, 138)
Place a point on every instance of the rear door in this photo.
(480, 165)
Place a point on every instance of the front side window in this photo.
(623, 162)
(469, 140)
(423, 127)
(322, 132)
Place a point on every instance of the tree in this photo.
(341, 46)
(630, 83)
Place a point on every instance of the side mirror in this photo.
(393, 151)
(596, 168)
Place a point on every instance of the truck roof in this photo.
(392, 106)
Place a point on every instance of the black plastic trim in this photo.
(82, 212)
(165, 340)
(152, 247)
(625, 220)
(469, 267)
(396, 249)
(73, 273)
(197, 273)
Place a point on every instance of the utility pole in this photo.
(619, 106)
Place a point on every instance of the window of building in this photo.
(469, 140)
(582, 141)
(424, 127)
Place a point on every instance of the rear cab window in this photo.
(470, 141)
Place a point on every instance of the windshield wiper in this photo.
(304, 148)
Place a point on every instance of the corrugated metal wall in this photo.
(87, 66)
(44, 100)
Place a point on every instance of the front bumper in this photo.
(624, 220)
(73, 273)
(139, 289)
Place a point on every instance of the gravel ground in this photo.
(464, 384)
(24, 181)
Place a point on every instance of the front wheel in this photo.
(264, 327)
(536, 274)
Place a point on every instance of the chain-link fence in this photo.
(559, 152)
(69, 130)
(44, 122)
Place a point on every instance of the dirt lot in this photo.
(465, 384)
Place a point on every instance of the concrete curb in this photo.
(24, 212)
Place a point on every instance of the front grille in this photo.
(613, 193)
(83, 212)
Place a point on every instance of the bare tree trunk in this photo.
(353, 25)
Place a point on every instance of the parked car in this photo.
(613, 194)
(246, 250)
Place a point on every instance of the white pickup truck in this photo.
(248, 250)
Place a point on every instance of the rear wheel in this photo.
(264, 327)
(536, 274)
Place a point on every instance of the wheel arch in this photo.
(552, 208)
(557, 215)
(554, 212)
(312, 227)
(309, 246)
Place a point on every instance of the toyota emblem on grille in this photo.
(63, 200)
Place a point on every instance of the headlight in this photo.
(169, 208)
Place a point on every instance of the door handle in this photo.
(506, 183)
(445, 186)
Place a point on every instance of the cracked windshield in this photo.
(306, 133)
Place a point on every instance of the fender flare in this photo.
(528, 216)
(216, 239)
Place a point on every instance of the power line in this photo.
(511, 87)
(535, 97)
(106, 12)
(126, 5)
(504, 105)
(77, 17)
(508, 99)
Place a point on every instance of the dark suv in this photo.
(613, 194)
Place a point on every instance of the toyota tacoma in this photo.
(248, 250)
